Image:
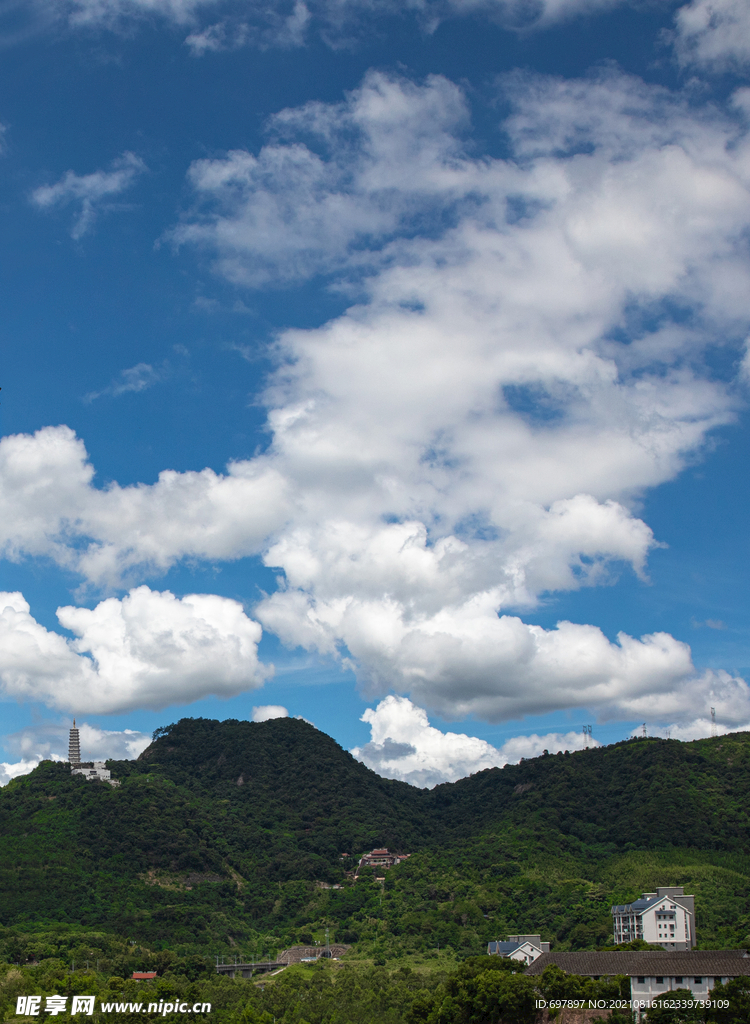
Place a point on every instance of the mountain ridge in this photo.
(227, 832)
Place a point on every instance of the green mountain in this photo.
(224, 839)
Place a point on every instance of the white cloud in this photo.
(10, 771)
(277, 27)
(714, 34)
(135, 379)
(403, 745)
(709, 33)
(90, 193)
(285, 22)
(711, 623)
(265, 712)
(526, 358)
(465, 660)
(697, 729)
(47, 501)
(105, 744)
(524, 15)
(290, 212)
(149, 649)
(220, 36)
(84, 13)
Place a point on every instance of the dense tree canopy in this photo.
(228, 839)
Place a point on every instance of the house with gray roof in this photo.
(519, 947)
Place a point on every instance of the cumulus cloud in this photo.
(291, 212)
(405, 746)
(713, 34)
(48, 505)
(10, 770)
(148, 649)
(526, 356)
(90, 194)
(265, 712)
(467, 660)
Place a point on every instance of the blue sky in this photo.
(411, 338)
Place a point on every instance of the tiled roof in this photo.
(505, 947)
(716, 963)
(641, 904)
(637, 905)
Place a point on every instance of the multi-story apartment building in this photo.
(665, 918)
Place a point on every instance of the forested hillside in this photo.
(224, 837)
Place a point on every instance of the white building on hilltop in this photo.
(665, 918)
(93, 769)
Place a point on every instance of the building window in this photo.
(641, 981)
(659, 981)
(697, 981)
(678, 981)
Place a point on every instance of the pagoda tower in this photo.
(74, 746)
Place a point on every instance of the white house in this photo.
(665, 918)
(519, 947)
